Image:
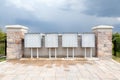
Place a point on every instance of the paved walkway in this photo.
(59, 70)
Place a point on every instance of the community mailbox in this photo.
(32, 40)
(51, 40)
(88, 40)
(69, 40)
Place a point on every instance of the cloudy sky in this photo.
(60, 15)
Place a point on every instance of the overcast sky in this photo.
(60, 15)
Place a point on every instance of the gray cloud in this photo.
(61, 16)
(117, 28)
(105, 8)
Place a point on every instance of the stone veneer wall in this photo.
(103, 41)
(15, 34)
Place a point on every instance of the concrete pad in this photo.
(59, 70)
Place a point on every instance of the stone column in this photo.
(103, 41)
(15, 36)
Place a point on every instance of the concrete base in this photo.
(79, 59)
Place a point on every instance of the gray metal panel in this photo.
(51, 40)
(69, 40)
(88, 40)
(32, 40)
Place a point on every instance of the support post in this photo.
(90, 52)
(31, 53)
(73, 52)
(49, 53)
(55, 53)
(37, 53)
(67, 53)
(85, 53)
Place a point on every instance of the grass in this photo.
(2, 48)
(2, 51)
(117, 58)
(2, 59)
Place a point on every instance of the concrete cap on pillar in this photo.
(103, 27)
(16, 27)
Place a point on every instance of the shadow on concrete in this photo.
(51, 63)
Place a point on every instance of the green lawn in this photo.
(2, 59)
(117, 58)
(2, 48)
(2, 51)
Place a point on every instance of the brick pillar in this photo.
(103, 41)
(15, 34)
